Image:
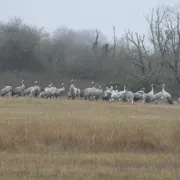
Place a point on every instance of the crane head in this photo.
(35, 82)
(163, 85)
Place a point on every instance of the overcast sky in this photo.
(83, 14)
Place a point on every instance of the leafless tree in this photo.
(96, 42)
(114, 43)
(158, 36)
(165, 38)
(140, 56)
(172, 24)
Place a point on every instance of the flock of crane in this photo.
(95, 92)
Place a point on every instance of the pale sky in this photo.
(83, 14)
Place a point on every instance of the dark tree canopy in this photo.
(133, 59)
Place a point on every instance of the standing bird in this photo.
(46, 93)
(164, 93)
(160, 95)
(166, 96)
(148, 97)
(28, 90)
(117, 96)
(48, 87)
(129, 95)
(60, 91)
(96, 93)
(53, 90)
(78, 92)
(72, 91)
(107, 94)
(87, 92)
(6, 91)
(19, 90)
(151, 93)
(42, 94)
(139, 95)
(35, 91)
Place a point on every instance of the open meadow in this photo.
(61, 139)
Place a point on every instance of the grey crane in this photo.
(149, 97)
(86, 94)
(139, 95)
(96, 93)
(6, 91)
(164, 93)
(47, 92)
(35, 91)
(166, 96)
(28, 90)
(158, 96)
(18, 91)
(107, 94)
(129, 95)
(72, 91)
(60, 91)
(117, 95)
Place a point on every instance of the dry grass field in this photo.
(53, 139)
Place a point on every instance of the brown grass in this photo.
(53, 139)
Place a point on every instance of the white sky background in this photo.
(83, 14)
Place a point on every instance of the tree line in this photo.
(134, 59)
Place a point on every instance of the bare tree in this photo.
(164, 24)
(172, 25)
(140, 56)
(160, 23)
(114, 43)
(158, 36)
(96, 42)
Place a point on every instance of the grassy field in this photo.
(53, 139)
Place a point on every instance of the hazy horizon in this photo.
(79, 14)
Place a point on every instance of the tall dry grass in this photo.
(88, 126)
(53, 139)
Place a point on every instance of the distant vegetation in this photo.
(133, 59)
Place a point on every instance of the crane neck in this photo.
(152, 89)
(124, 88)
